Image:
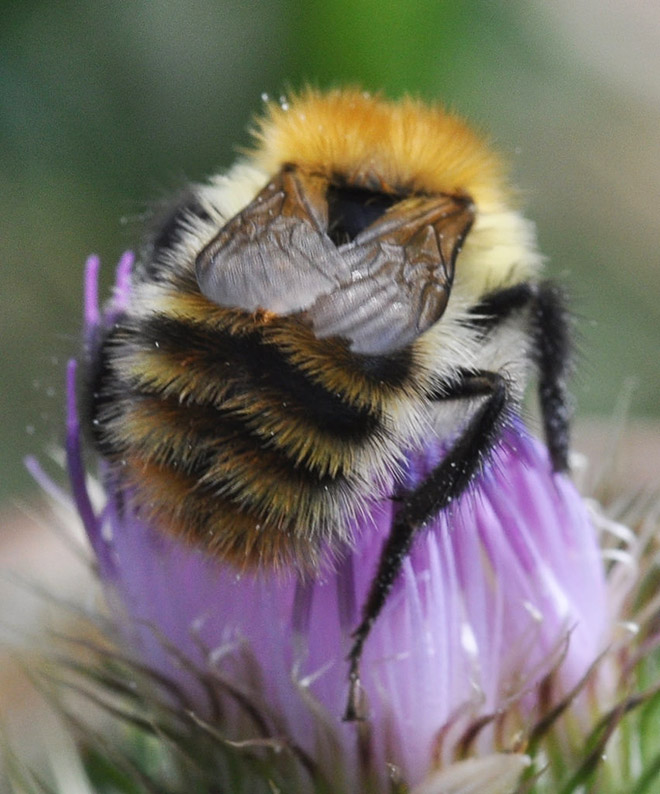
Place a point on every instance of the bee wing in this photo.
(274, 255)
(402, 268)
(380, 291)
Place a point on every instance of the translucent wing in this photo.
(274, 255)
(402, 268)
(380, 291)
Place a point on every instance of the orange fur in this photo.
(374, 141)
(174, 504)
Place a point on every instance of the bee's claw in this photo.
(356, 706)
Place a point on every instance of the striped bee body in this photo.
(244, 432)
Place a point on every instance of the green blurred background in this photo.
(108, 106)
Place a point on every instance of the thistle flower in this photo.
(502, 661)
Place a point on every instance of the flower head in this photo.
(497, 621)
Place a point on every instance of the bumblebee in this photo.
(359, 281)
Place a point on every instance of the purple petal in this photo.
(488, 600)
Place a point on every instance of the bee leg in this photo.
(444, 484)
(551, 352)
(553, 347)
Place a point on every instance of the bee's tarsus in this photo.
(356, 704)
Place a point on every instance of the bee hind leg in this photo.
(551, 351)
(446, 482)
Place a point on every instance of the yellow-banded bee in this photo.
(357, 283)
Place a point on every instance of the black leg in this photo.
(551, 351)
(445, 483)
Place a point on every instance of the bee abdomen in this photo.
(228, 421)
(243, 375)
